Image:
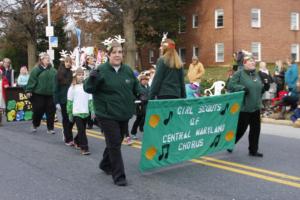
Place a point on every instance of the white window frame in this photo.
(295, 27)
(180, 24)
(217, 51)
(194, 51)
(219, 12)
(193, 21)
(256, 24)
(180, 54)
(258, 46)
(296, 50)
(151, 56)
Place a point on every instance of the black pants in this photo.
(112, 160)
(139, 122)
(252, 119)
(81, 138)
(67, 125)
(43, 104)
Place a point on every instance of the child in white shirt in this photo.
(79, 106)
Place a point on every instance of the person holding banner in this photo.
(168, 81)
(114, 88)
(63, 81)
(248, 80)
(40, 90)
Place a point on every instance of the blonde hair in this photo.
(170, 55)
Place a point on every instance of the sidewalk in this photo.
(278, 122)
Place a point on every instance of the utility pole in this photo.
(49, 31)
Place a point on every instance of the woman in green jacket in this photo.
(168, 81)
(40, 89)
(248, 80)
(114, 88)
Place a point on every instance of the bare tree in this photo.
(21, 19)
(125, 11)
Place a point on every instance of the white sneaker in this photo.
(33, 129)
(134, 137)
(51, 132)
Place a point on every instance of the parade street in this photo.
(38, 166)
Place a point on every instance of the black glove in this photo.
(246, 90)
(94, 74)
(143, 99)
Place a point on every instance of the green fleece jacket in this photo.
(167, 81)
(113, 92)
(41, 81)
(251, 83)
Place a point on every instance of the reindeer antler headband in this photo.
(110, 40)
(64, 54)
(165, 43)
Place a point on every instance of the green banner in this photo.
(180, 130)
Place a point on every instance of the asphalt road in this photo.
(40, 167)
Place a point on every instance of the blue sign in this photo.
(54, 41)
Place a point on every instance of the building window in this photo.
(151, 56)
(136, 57)
(196, 51)
(219, 18)
(182, 24)
(294, 21)
(182, 54)
(295, 52)
(219, 52)
(195, 21)
(255, 18)
(256, 50)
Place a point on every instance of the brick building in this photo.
(214, 29)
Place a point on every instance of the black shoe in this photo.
(121, 182)
(106, 171)
(89, 127)
(229, 150)
(256, 154)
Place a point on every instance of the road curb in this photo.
(278, 122)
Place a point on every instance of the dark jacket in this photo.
(41, 81)
(61, 88)
(113, 92)
(251, 83)
(141, 108)
(8, 73)
(266, 80)
(167, 81)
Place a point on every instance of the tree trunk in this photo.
(31, 54)
(129, 33)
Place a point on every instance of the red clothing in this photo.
(4, 85)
